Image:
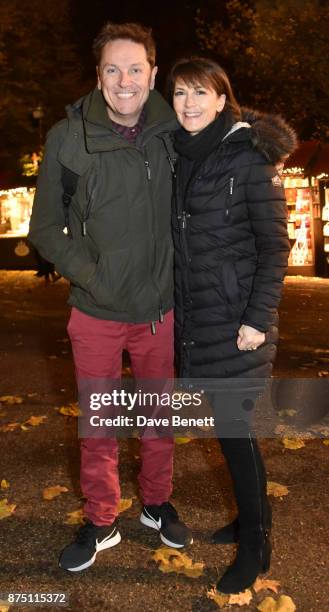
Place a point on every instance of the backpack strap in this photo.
(69, 182)
(73, 157)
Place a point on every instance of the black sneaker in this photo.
(90, 539)
(165, 519)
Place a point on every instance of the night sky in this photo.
(172, 23)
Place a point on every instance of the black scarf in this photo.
(198, 147)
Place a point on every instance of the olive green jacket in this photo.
(118, 252)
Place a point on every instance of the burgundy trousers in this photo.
(97, 346)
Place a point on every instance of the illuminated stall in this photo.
(304, 176)
(15, 212)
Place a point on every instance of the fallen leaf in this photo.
(263, 584)
(75, 518)
(11, 399)
(71, 410)
(240, 599)
(171, 560)
(51, 492)
(323, 373)
(124, 504)
(293, 444)
(280, 429)
(283, 604)
(4, 484)
(276, 489)
(6, 509)
(183, 440)
(32, 395)
(237, 599)
(4, 608)
(10, 427)
(326, 442)
(35, 420)
(219, 598)
(290, 412)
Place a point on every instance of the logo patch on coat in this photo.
(276, 181)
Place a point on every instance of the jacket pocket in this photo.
(110, 285)
(230, 283)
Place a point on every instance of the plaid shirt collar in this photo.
(131, 133)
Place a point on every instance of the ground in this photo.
(37, 366)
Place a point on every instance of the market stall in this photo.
(304, 178)
(15, 212)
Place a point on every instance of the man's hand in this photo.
(249, 339)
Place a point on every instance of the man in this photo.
(118, 256)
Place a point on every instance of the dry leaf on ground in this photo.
(283, 604)
(326, 442)
(289, 412)
(276, 489)
(171, 560)
(183, 440)
(76, 517)
(10, 427)
(34, 421)
(222, 600)
(11, 399)
(4, 484)
(240, 599)
(263, 584)
(4, 608)
(219, 598)
(293, 444)
(51, 492)
(6, 509)
(125, 504)
(71, 410)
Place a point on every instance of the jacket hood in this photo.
(98, 128)
(93, 109)
(270, 134)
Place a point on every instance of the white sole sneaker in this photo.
(149, 522)
(99, 546)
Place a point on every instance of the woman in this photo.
(232, 249)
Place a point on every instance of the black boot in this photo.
(253, 558)
(249, 480)
(229, 534)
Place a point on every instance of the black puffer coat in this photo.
(232, 249)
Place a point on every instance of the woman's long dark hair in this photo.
(205, 72)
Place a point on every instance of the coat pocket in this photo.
(110, 285)
(230, 283)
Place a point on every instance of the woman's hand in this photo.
(249, 338)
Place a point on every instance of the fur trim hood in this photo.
(271, 134)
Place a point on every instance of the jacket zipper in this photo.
(261, 513)
(183, 226)
(161, 315)
(229, 198)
